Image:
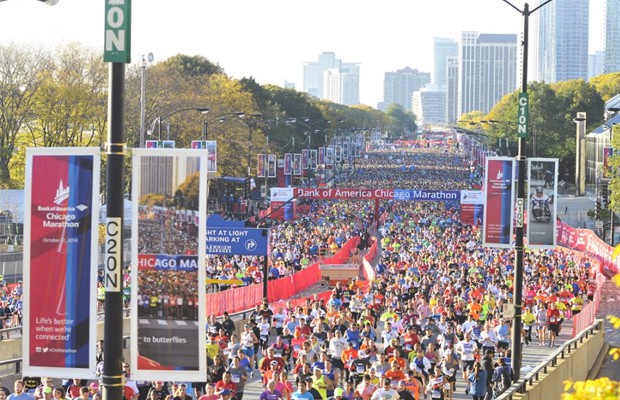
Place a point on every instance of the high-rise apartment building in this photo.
(559, 41)
(452, 90)
(331, 79)
(487, 70)
(596, 64)
(612, 36)
(444, 49)
(399, 86)
(428, 105)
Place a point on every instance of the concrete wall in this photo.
(574, 367)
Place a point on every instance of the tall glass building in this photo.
(487, 70)
(559, 41)
(612, 36)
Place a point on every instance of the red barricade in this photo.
(244, 298)
(584, 240)
(234, 300)
(588, 313)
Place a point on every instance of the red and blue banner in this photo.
(499, 186)
(261, 165)
(297, 164)
(305, 159)
(472, 207)
(288, 163)
(60, 255)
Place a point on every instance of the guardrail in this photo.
(9, 330)
(565, 351)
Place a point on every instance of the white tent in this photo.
(128, 206)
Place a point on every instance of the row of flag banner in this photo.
(295, 163)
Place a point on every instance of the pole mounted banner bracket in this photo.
(116, 148)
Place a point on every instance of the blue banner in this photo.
(237, 241)
(428, 195)
(168, 262)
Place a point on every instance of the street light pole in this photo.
(158, 120)
(612, 225)
(519, 246)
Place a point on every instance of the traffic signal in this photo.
(605, 197)
(597, 209)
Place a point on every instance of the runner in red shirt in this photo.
(553, 321)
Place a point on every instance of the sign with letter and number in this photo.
(60, 258)
(522, 115)
(117, 47)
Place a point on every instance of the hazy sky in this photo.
(271, 39)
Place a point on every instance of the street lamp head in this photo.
(203, 110)
(577, 120)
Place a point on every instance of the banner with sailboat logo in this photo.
(60, 258)
(499, 202)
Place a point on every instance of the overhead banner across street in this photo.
(60, 258)
(378, 194)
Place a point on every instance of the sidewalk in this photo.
(610, 305)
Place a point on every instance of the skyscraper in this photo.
(452, 90)
(331, 79)
(399, 86)
(596, 63)
(444, 48)
(559, 41)
(487, 70)
(612, 36)
(428, 105)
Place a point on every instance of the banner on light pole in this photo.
(60, 258)
(542, 202)
(168, 243)
(499, 202)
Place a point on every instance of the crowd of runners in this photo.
(432, 316)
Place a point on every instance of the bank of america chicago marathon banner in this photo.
(542, 202)
(378, 194)
(499, 189)
(472, 207)
(167, 318)
(60, 255)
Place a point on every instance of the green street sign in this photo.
(117, 47)
(522, 116)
